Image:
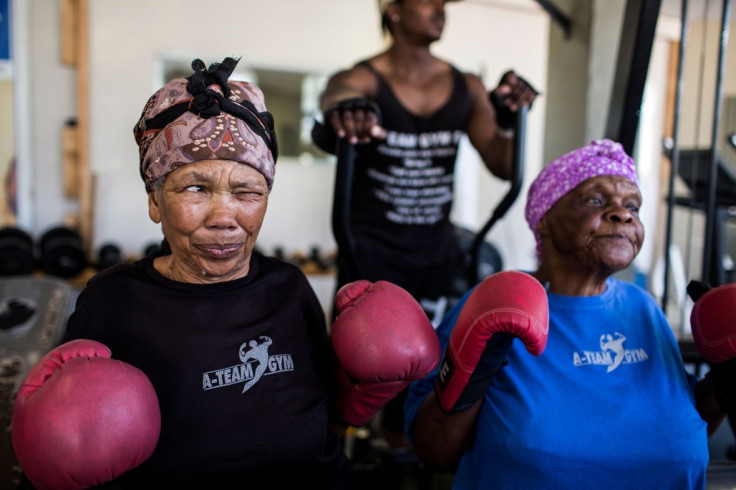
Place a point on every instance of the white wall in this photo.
(123, 74)
(324, 36)
(604, 45)
(488, 42)
(568, 78)
(128, 42)
(52, 101)
(483, 36)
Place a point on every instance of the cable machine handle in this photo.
(341, 205)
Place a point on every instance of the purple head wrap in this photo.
(205, 117)
(601, 157)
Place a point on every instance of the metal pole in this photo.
(341, 207)
(557, 16)
(517, 179)
(710, 210)
(675, 157)
(632, 65)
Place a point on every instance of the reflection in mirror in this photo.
(292, 96)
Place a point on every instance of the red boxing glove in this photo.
(383, 341)
(81, 419)
(505, 305)
(712, 321)
(714, 333)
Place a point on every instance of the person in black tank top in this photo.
(407, 110)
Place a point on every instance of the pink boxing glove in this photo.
(383, 341)
(81, 418)
(505, 305)
(712, 320)
(714, 332)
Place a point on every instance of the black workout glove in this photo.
(505, 117)
(323, 134)
(354, 104)
(350, 105)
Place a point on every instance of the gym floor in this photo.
(722, 470)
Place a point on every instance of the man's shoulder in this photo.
(473, 81)
(367, 69)
(360, 77)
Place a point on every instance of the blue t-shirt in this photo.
(607, 405)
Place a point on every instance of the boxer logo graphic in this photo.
(256, 362)
(612, 353)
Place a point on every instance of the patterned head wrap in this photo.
(602, 157)
(205, 117)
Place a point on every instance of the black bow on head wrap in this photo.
(207, 102)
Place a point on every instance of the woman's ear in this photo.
(542, 227)
(153, 207)
(392, 12)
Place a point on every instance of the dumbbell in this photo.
(315, 255)
(108, 255)
(151, 248)
(62, 252)
(16, 252)
(278, 252)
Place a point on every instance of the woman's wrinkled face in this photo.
(211, 212)
(595, 226)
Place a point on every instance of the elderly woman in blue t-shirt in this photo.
(608, 403)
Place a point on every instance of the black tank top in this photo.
(403, 189)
